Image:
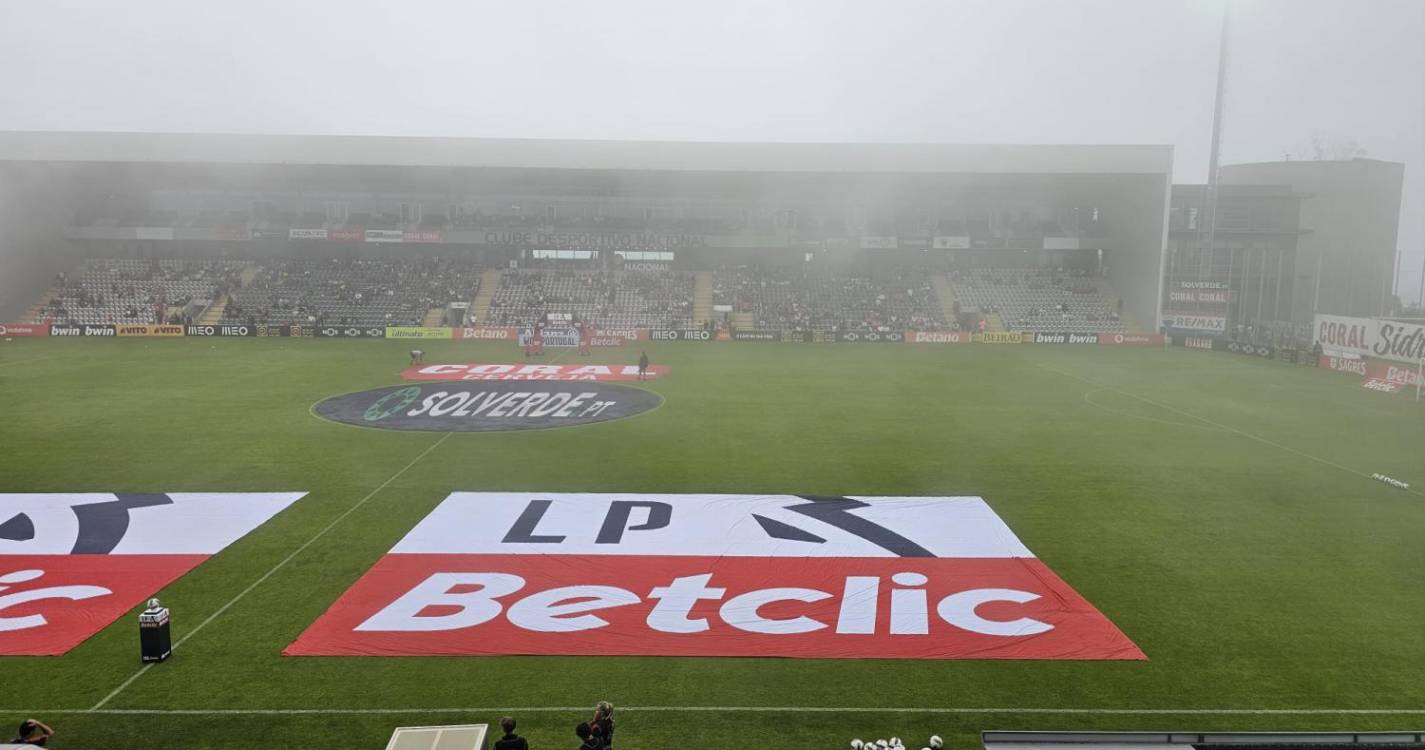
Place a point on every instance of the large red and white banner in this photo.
(626, 334)
(1340, 336)
(70, 564)
(938, 337)
(531, 372)
(1391, 372)
(1396, 340)
(1353, 365)
(1131, 339)
(713, 575)
(488, 333)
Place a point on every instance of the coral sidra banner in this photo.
(714, 575)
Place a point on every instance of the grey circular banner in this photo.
(487, 406)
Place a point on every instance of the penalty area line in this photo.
(280, 565)
(730, 709)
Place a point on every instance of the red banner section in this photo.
(626, 334)
(1392, 372)
(883, 608)
(1356, 366)
(488, 333)
(72, 564)
(1382, 385)
(51, 603)
(23, 329)
(1130, 339)
(938, 337)
(530, 372)
(713, 575)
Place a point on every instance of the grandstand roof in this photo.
(347, 150)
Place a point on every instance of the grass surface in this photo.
(1213, 506)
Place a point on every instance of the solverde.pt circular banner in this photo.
(487, 406)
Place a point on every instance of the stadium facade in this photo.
(76, 195)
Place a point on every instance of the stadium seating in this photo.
(356, 292)
(606, 298)
(821, 300)
(1038, 300)
(131, 290)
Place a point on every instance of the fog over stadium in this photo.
(1306, 77)
(940, 374)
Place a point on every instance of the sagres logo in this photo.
(713, 575)
(488, 406)
(72, 563)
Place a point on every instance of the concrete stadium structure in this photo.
(75, 195)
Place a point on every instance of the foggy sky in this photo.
(1006, 71)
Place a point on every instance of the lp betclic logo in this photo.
(72, 563)
(713, 575)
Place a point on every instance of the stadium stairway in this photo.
(434, 317)
(994, 323)
(214, 313)
(702, 298)
(743, 320)
(945, 292)
(34, 311)
(480, 306)
(1106, 290)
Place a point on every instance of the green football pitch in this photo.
(1218, 509)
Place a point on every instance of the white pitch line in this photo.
(275, 568)
(729, 709)
(1221, 426)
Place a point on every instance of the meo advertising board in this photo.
(713, 575)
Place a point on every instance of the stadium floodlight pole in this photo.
(1420, 295)
(1210, 224)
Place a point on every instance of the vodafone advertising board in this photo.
(23, 329)
(531, 372)
(713, 575)
(70, 564)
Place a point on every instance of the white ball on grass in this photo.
(856, 744)
(935, 742)
(896, 742)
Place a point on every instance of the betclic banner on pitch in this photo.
(713, 575)
(70, 564)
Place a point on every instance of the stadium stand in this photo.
(1038, 300)
(352, 292)
(823, 301)
(606, 298)
(136, 291)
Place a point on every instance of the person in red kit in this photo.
(586, 332)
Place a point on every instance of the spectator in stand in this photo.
(510, 741)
